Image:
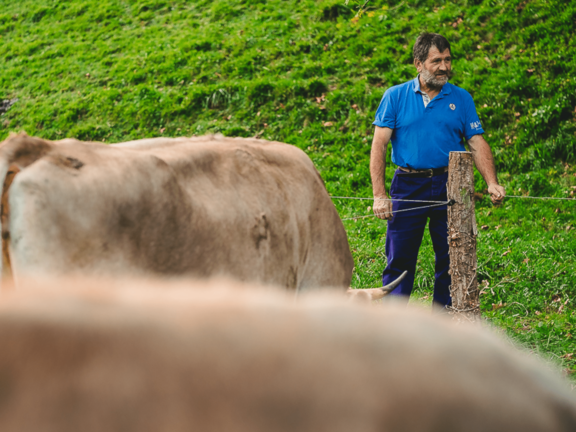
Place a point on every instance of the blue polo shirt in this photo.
(423, 137)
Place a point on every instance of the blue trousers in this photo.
(406, 229)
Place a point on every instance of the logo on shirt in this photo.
(475, 125)
(452, 107)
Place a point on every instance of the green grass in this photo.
(526, 260)
(311, 73)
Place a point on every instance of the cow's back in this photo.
(250, 209)
(214, 357)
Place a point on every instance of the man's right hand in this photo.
(382, 208)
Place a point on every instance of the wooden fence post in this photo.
(462, 234)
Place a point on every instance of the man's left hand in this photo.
(497, 193)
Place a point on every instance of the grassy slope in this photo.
(307, 73)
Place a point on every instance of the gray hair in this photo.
(425, 41)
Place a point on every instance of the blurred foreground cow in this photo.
(248, 209)
(222, 358)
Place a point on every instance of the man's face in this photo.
(436, 70)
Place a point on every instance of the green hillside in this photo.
(311, 73)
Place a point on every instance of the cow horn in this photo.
(369, 294)
(388, 288)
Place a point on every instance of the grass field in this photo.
(311, 73)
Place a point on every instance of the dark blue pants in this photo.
(406, 229)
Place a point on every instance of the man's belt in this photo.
(423, 172)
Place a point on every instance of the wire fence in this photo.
(440, 203)
(435, 203)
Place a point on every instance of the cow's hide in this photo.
(249, 209)
(217, 357)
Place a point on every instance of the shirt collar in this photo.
(446, 88)
(416, 84)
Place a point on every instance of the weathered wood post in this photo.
(462, 234)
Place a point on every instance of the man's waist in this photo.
(431, 172)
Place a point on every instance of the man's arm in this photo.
(484, 162)
(380, 141)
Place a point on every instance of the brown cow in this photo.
(248, 209)
(209, 357)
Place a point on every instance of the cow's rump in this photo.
(250, 209)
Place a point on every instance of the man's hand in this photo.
(497, 193)
(382, 208)
(484, 161)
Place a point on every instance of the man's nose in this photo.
(443, 65)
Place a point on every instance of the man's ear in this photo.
(418, 65)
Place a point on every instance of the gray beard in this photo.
(431, 80)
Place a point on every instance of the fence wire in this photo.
(440, 203)
(542, 198)
(436, 203)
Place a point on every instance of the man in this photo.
(425, 119)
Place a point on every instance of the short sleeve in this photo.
(386, 112)
(472, 125)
